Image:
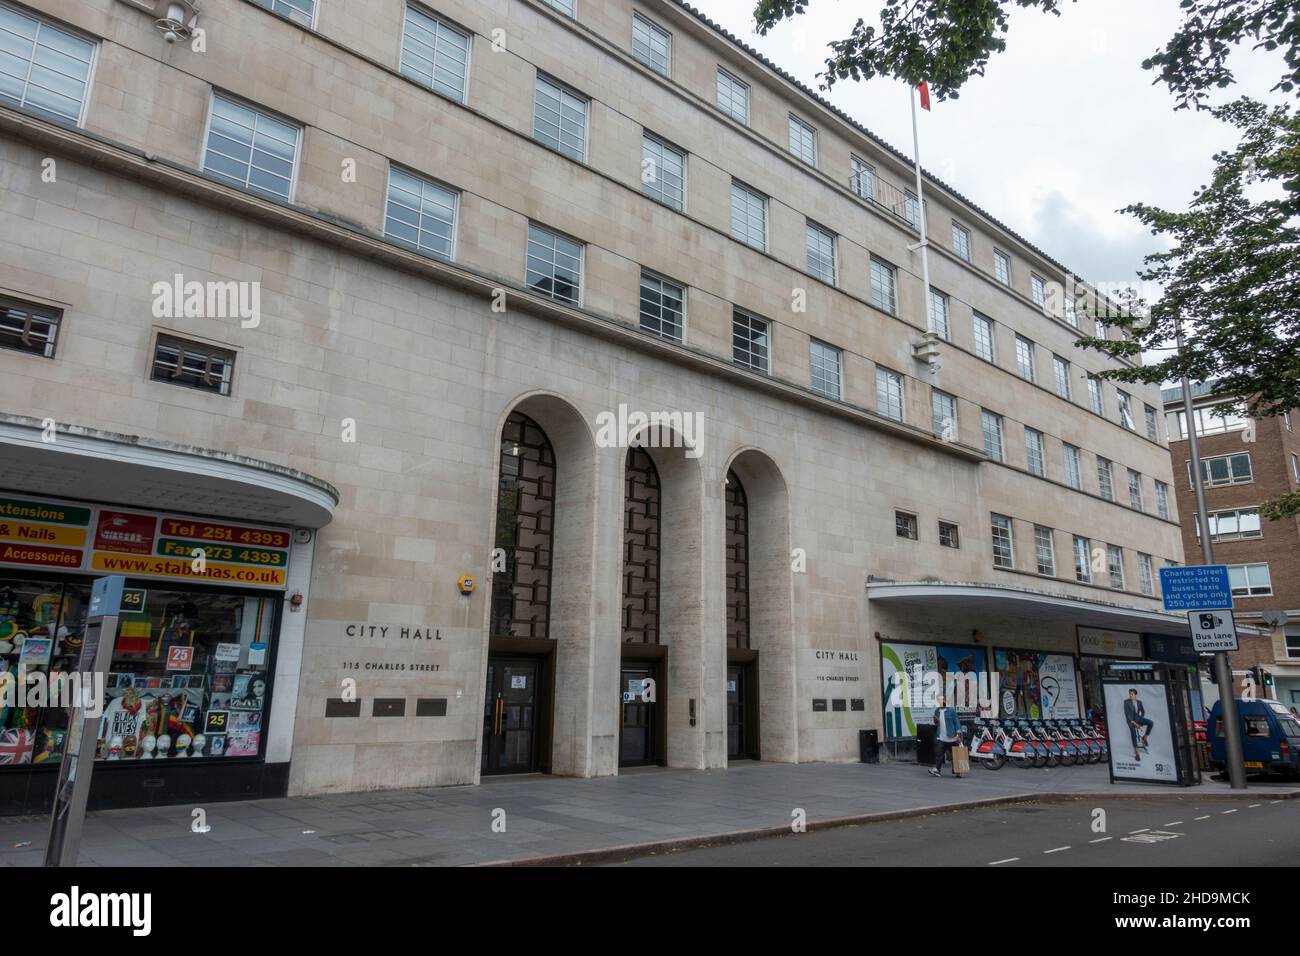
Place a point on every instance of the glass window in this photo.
(299, 11)
(1105, 483)
(554, 265)
(663, 172)
(1115, 566)
(1096, 400)
(651, 44)
(43, 68)
(1073, 473)
(733, 97)
(1002, 267)
(250, 148)
(961, 241)
(1224, 470)
(1082, 560)
(1045, 550)
(663, 307)
(984, 338)
(420, 213)
(821, 253)
(1295, 466)
(948, 535)
(748, 216)
(904, 525)
(1061, 375)
(1150, 414)
(27, 327)
(944, 409)
(992, 427)
(192, 364)
(1249, 580)
(1126, 410)
(560, 119)
(938, 315)
(1233, 525)
(1209, 422)
(749, 341)
(912, 209)
(1162, 500)
(435, 54)
(564, 6)
(825, 362)
(1025, 358)
(803, 141)
(1146, 576)
(1034, 455)
(1038, 290)
(889, 394)
(1003, 544)
(862, 178)
(884, 289)
(1134, 490)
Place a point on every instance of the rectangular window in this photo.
(1038, 290)
(1073, 473)
(1061, 375)
(1146, 575)
(1105, 482)
(663, 172)
(984, 338)
(1034, 456)
(1002, 267)
(1223, 470)
(961, 241)
(1045, 550)
(560, 119)
(1295, 467)
(651, 44)
(663, 307)
(251, 149)
(821, 253)
(1292, 644)
(1115, 566)
(1162, 500)
(904, 525)
(1210, 423)
(889, 394)
(554, 265)
(733, 97)
(27, 327)
(43, 68)
(191, 364)
(944, 409)
(884, 286)
(434, 54)
(991, 425)
(825, 361)
(564, 6)
(749, 341)
(1025, 358)
(862, 178)
(748, 216)
(420, 213)
(299, 11)
(938, 313)
(1096, 400)
(803, 140)
(1003, 543)
(1249, 580)
(1082, 560)
(1150, 413)
(1233, 525)
(949, 536)
(912, 209)
(1134, 490)
(1126, 410)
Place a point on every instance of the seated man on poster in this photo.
(1139, 724)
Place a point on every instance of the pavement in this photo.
(562, 820)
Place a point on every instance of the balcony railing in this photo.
(865, 184)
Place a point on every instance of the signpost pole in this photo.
(1222, 672)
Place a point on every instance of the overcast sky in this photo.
(1064, 129)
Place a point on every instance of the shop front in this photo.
(191, 708)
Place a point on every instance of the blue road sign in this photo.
(1202, 587)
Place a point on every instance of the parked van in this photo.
(1270, 737)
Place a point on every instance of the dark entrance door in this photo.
(637, 742)
(510, 715)
(742, 698)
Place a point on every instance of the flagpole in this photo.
(920, 210)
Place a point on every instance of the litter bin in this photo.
(925, 734)
(869, 746)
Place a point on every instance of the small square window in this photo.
(27, 327)
(179, 361)
(43, 68)
(651, 44)
(949, 536)
(749, 341)
(560, 119)
(420, 213)
(554, 267)
(905, 525)
(251, 149)
(435, 54)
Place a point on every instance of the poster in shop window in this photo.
(904, 672)
(1057, 687)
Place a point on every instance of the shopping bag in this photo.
(960, 759)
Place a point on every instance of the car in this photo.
(1270, 737)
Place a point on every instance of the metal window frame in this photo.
(443, 22)
(663, 280)
(216, 94)
(653, 28)
(437, 184)
(44, 21)
(667, 147)
(563, 88)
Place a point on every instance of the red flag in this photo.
(924, 89)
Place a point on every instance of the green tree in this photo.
(946, 42)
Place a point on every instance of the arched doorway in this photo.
(641, 732)
(742, 658)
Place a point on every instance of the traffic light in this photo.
(1267, 678)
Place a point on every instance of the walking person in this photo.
(947, 731)
(1139, 724)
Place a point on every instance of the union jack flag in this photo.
(16, 746)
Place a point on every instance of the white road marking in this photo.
(1101, 839)
(1254, 805)
(1057, 850)
(1229, 811)
(1206, 817)
(1174, 824)
(1143, 830)
(1010, 859)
